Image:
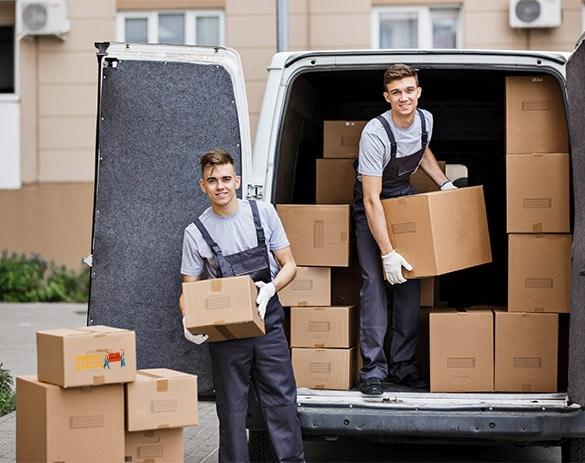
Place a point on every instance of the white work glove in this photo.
(194, 338)
(393, 263)
(265, 293)
(448, 185)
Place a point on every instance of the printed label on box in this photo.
(100, 360)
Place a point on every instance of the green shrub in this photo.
(7, 396)
(32, 279)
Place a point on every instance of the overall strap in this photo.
(424, 135)
(257, 223)
(388, 130)
(207, 237)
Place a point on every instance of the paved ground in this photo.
(19, 322)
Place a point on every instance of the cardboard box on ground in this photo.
(223, 308)
(155, 446)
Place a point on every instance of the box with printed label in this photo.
(535, 115)
(421, 181)
(156, 446)
(461, 351)
(441, 231)
(310, 287)
(537, 189)
(319, 235)
(223, 308)
(323, 326)
(324, 368)
(341, 139)
(539, 273)
(55, 424)
(335, 181)
(526, 352)
(161, 398)
(90, 355)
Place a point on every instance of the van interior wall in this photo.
(469, 128)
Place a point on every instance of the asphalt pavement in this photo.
(19, 323)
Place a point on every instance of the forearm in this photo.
(430, 165)
(377, 224)
(285, 275)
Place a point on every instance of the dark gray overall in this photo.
(405, 296)
(263, 361)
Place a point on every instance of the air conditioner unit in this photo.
(42, 17)
(535, 13)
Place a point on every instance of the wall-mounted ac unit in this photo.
(42, 17)
(535, 13)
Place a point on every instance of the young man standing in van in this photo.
(238, 237)
(392, 146)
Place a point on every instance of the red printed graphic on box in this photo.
(101, 359)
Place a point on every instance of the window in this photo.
(6, 59)
(416, 27)
(173, 27)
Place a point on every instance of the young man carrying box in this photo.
(238, 237)
(392, 147)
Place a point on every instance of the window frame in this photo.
(152, 21)
(15, 94)
(424, 22)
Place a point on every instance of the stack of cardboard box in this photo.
(515, 350)
(75, 408)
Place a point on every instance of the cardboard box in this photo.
(223, 308)
(86, 356)
(161, 398)
(159, 446)
(341, 139)
(54, 424)
(318, 234)
(310, 287)
(422, 183)
(462, 351)
(346, 284)
(539, 273)
(335, 181)
(537, 189)
(439, 232)
(324, 368)
(535, 116)
(429, 295)
(324, 326)
(526, 352)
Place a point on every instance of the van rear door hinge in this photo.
(255, 192)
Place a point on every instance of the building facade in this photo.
(48, 84)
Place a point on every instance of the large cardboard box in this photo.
(346, 284)
(334, 327)
(223, 308)
(539, 273)
(86, 356)
(318, 234)
(535, 116)
(429, 294)
(439, 232)
(335, 181)
(324, 368)
(422, 183)
(310, 287)
(161, 398)
(341, 139)
(526, 352)
(54, 424)
(537, 188)
(158, 446)
(462, 351)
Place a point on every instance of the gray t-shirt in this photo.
(374, 153)
(233, 234)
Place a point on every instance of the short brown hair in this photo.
(215, 157)
(399, 71)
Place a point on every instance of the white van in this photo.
(161, 106)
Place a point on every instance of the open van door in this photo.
(160, 108)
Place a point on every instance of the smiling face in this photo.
(403, 95)
(220, 184)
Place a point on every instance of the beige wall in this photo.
(51, 214)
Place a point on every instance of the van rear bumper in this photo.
(536, 425)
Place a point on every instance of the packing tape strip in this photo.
(216, 285)
(226, 332)
(97, 380)
(162, 385)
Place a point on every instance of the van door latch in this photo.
(255, 192)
